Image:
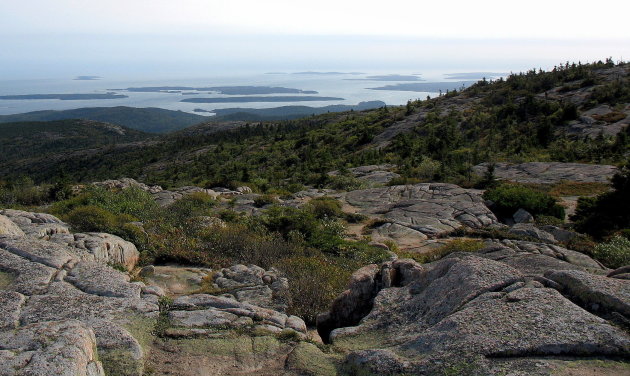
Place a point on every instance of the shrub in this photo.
(603, 215)
(131, 201)
(544, 220)
(23, 192)
(91, 219)
(239, 244)
(264, 200)
(614, 253)
(192, 205)
(325, 207)
(314, 282)
(508, 198)
(345, 183)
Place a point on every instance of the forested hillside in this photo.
(574, 113)
(152, 120)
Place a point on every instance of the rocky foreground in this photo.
(516, 308)
(65, 309)
(70, 306)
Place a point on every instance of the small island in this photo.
(261, 99)
(388, 77)
(63, 97)
(430, 87)
(226, 90)
(87, 78)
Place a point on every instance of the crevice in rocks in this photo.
(596, 309)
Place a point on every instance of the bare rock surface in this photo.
(511, 307)
(39, 225)
(124, 183)
(372, 174)
(550, 172)
(106, 248)
(64, 348)
(428, 210)
(66, 311)
(63, 306)
(7, 227)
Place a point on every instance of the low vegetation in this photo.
(456, 245)
(508, 119)
(306, 244)
(614, 253)
(606, 213)
(508, 198)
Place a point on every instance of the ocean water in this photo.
(346, 86)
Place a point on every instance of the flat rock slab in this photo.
(27, 277)
(431, 209)
(36, 225)
(550, 172)
(202, 318)
(10, 306)
(372, 174)
(40, 251)
(99, 279)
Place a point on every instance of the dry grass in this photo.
(611, 117)
(456, 245)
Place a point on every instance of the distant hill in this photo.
(39, 144)
(152, 120)
(288, 112)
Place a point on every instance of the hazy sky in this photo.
(50, 38)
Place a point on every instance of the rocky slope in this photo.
(76, 304)
(67, 311)
(511, 308)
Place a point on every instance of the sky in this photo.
(52, 38)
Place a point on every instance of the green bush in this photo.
(131, 201)
(508, 198)
(23, 192)
(325, 207)
(345, 183)
(264, 200)
(92, 219)
(190, 206)
(314, 283)
(545, 220)
(614, 253)
(601, 216)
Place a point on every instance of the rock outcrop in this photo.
(64, 305)
(511, 306)
(372, 174)
(421, 211)
(549, 172)
(65, 311)
(124, 183)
